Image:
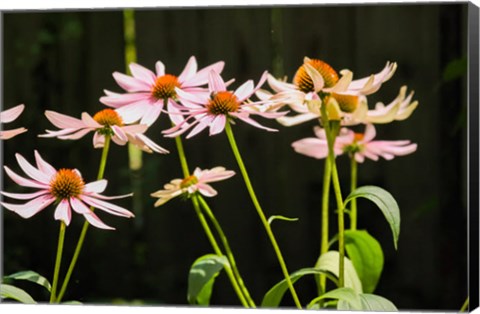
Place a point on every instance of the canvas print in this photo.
(293, 157)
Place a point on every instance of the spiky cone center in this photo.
(223, 103)
(66, 183)
(165, 87)
(305, 83)
(188, 182)
(355, 147)
(347, 103)
(108, 117)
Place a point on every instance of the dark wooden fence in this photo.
(63, 60)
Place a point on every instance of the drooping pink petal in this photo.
(105, 206)
(98, 140)
(250, 121)
(369, 133)
(135, 128)
(24, 196)
(130, 84)
(31, 171)
(214, 174)
(90, 122)
(201, 77)
(202, 124)
(30, 208)
(151, 115)
(189, 70)
(143, 74)
(118, 100)
(311, 147)
(11, 114)
(8, 134)
(206, 190)
(77, 135)
(63, 212)
(218, 124)
(244, 91)
(62, 121)
(103, 197)
(192, 98)
(215, 83)
(58, 133)
(23, 181)
(160, 68)
(95, 186)
(95, 221)
(133, 112)
(317, 78)
(44, 166)
(279, 86)
(119, 133)
(150, 144)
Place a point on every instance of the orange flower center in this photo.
(108, 117)
(305, 83)
(188, 181)
(165, 87)
(223, 103)
(347, 103)
(358, 137)
(66, 183)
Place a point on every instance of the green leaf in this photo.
(31, 276)
(329, 262)
(367, 257)
(202, 277)
(272, 218)
(370, 302)
(385, 202)
(274, 296)
(345, 294)
(12, 292)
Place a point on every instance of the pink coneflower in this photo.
(65, 188)
(196, 182)
(105, 122)
(316, 77)
(214, 109)
(147, 91)
(361, 145)
(7, 116)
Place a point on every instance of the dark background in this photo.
(62, 61)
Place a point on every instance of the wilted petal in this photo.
(63, 212)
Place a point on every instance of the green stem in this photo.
(465, 305)
(58, 261)
(203, 222)
(81, 239)
(259, 210)
(353, 186)
(331, 135)
(327, 177)
(226, 245)
(218, 251)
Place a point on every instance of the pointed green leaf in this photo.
(345, 294)
(385, 202)
(31, 276)
(12, 292)
(272, 218)
(202, 277)
(329, 262)
(367, 257)
(370, 302)
(274, 296)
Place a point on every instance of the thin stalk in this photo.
(203, 222)
(338, 193)
(228, 250)
(465, 305)
(259, 210)
(81, 239)
(327, 177)
(353, 186)
(58, 261)
(218, 251)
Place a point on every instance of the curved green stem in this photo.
(218, 251)
(203, 222)
(259, 210)
(331, 135)
(228, 250)
(83, 233)
(327, 177)
(58, 261)
(465, 305)
(353, 186)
